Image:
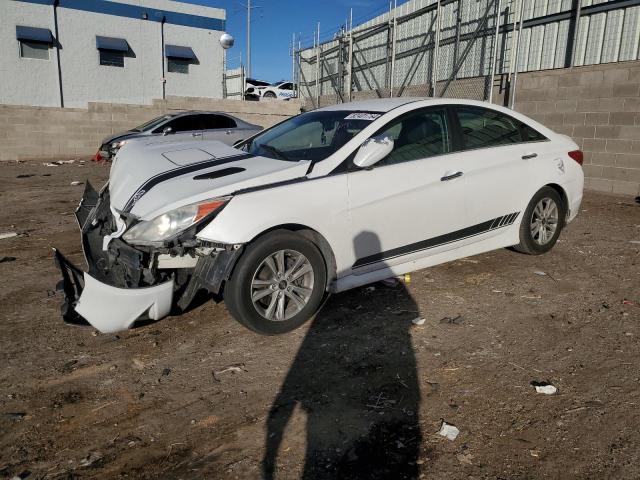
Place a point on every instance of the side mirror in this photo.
(373, 150)
(167, 130)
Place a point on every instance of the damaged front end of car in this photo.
(134, 272)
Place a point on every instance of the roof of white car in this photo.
(387, 104)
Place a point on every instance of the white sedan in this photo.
(323, 202)
(279, 90)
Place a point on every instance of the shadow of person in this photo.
(355, 378)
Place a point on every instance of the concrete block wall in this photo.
(599, 107)
(50, 133)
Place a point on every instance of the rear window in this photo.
(482, 128)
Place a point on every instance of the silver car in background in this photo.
(181, 126)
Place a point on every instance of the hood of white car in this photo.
(148, 180)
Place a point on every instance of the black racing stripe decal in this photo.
(176, 172)
(438, 241)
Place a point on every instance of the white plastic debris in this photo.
(8, 235)
(450, 432)
(418, 321)
(540, 273)
(635, 242)
(76, 182)
(546, 389)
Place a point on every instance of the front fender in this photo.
(320, 204)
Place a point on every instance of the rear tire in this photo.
(542, 222)
(269, 95)
(278, 283)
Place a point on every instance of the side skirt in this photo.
(491, 243)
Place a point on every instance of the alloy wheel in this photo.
(282, 285)
(544, 221)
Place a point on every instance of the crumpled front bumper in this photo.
(105, 307)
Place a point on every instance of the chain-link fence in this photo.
(456, 48)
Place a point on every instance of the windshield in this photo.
(311, 136)
(151, 124)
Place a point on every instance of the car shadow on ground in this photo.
(355, 378)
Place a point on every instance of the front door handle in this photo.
(196, 134)
(527, 156)
(228, 132)
(451, 177)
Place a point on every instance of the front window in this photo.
(311, 136)
(417, 135)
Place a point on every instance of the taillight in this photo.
(577, 155)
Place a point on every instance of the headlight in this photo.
(169, 224)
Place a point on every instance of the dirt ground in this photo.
(358, 393)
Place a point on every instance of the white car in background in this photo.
(278, 90)
(323, 202)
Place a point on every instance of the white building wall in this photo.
(35, 82)
(205, 77)
(85, 80)
(26, 81)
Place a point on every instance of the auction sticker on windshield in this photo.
(362, 116)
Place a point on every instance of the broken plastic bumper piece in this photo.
(105, 307)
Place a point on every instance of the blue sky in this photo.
(275, 22)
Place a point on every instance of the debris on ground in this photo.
(234, 368)
(418, 321)
(166, 372)
(449, 431)
(69, 366)
(534, 453)
(452, 320)
(15, 416)
(76, 183)
(390, 282)
(7, 259)
(635, 242)
(57, 163)
(544, 387)
(624, 302)
(540, 273)
(466, 458)
(26, 175)
(22, 475)
(8, 235)
(91, 459)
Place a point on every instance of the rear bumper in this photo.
(105, 307)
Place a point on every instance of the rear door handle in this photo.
(196, 134)
(451, 177)
(527, 156)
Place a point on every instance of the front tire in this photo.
(542, 222)
(269, 95)
(278, 283)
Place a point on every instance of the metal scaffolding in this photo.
(455, 48)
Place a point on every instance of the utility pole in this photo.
(248, 38)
